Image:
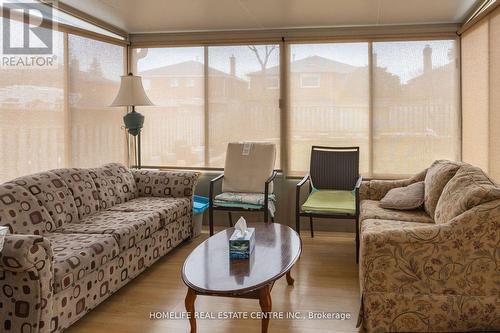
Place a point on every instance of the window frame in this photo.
(284, 83)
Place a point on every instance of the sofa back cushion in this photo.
(22, 213)
(438, 175)
(83, 189)
(115, 184)
(248, 166)
(49, 189)
(469, 187)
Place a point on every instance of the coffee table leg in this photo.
(189, 302)
(265, 305)
(289, 278)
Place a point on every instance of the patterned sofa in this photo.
(435, 269)
(78, 235)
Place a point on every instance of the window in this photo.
(415, 105)
(310, 80)
(54, 115)
(33, 130)
(273, 83)
(174, 83)
(94, 80)
(174, 130)
(335, 114)
(241, 108)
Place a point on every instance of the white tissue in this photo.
(241, 228)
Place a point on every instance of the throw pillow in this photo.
(404, 198)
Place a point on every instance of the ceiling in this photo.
(147, 16)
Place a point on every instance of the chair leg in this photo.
(211, 220)
(311, 223)
(272, 219)
(297, 222)
(357, 240)
(230, 216)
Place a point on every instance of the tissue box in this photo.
(242, 247)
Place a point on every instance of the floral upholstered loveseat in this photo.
(78, 235)
(436, 269)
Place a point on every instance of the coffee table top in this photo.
(208, 268)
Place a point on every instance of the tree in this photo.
(263, 58)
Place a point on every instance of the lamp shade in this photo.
(131, 92)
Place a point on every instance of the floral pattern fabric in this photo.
(438, 175)
(426, 277)
(370, 209)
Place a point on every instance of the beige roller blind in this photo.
(480, 99)
(494, 80)
(475, 95)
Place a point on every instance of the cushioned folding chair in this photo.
(247, 181)
(334, 183)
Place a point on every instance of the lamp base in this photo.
(134, 121)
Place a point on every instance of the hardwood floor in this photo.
(326, 280)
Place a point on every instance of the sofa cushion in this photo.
(370, 209)
(54, 195)
(169, 209)
(469, 187)
(115, 184)
(404, 198)
(438, 174)
(378, 225)
(247, 170)
(82, 188)
(22, 213)
(129, 228)
(76, 255)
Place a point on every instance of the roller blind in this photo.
(480, 101)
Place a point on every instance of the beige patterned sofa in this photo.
(435, 269)
(78, 235)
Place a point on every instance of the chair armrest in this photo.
(174, 184)
(358, 183)
(273, 176)
(211, 194)
(303, 181)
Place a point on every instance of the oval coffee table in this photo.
(209, 271)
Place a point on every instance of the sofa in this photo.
(78, 235)
(435, 269)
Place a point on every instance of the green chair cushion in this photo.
(331, 202)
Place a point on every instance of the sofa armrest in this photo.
(24, 252)
(458, 258)
(175, 184)
(26, 277)
(376, 189)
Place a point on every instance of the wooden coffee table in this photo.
(209, 271)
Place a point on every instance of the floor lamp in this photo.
(132, 94)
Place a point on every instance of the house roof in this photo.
(313, 64)
(189, 68)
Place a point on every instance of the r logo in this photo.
(38, 33)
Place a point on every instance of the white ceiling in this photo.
(139, 16)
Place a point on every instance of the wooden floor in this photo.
(326, 279)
